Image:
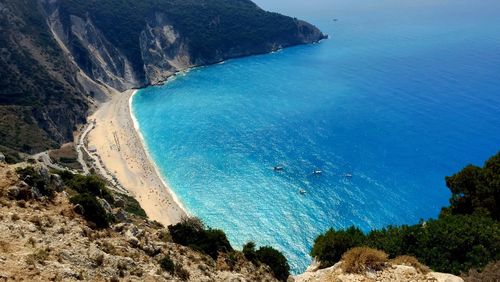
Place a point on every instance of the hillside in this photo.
(58, 58)
(46, 236)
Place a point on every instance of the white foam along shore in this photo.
(123, 153)
(148, 154)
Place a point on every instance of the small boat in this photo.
(317, 172)
(348, 175)
(278, 168)
(335, 20)
(302, 191)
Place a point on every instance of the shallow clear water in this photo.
(403, 94)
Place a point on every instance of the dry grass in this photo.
(490, 273)
(411, 261)
(15, 217)
(38, 256)
(361, 259)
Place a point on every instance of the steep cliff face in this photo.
(163, 50)
(58, 57)
(41, 100)
(145, 42)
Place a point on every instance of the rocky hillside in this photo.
(46, 238)
(58, 56)
(396, 270)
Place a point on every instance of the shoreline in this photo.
(148, 155)
(120, 149)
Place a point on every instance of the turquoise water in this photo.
(401, 95)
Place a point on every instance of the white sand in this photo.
(122, 153)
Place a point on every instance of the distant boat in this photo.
(348, 175)
(317, 172)
(335, 20)
(302, 191)
(278, 168)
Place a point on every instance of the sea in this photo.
(364, 126)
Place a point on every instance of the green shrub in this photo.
(167, 264)
(275, 260)
(329, 247)
(192, 233)
(93, 211)
(132, 206)
(34, 179)
(90, 184)
(476, 190)
(249, 252)
(466, 235)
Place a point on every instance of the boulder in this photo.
(445, 277)
(57, 182)
(2, 158)
(106, 206)
(79, 209)
(119, 202)
(119, 227)
(44, 172)
(121, 215)
(24, 185)
(13, 192)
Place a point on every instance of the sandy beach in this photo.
(122, 154)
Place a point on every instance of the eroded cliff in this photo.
(59, 57)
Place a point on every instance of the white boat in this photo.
(302, 191)
(348, 175)
(317, 172)
(278, 168)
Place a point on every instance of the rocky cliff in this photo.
(47, 239)
(59, 57)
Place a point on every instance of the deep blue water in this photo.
(401, 95)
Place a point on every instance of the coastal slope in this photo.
(61, 58)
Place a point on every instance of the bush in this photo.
(34, 179)
(89, 184)
(181, 272)
(476, 190)
(167, 264)
(490, 273)
(132, 206)
(411, 261)
(191, 232)
(93, 211)
(361, 259)
(329, 247)
(275, 260)
(249, 252)
(466, 235)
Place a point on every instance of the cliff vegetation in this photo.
(465, 237)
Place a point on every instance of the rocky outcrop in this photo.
(91, 51)
(163, 49)
(391, 272)
(46, 240)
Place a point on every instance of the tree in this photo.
(275, 260)
(249, 252)
(476, 190)
(329, 247)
